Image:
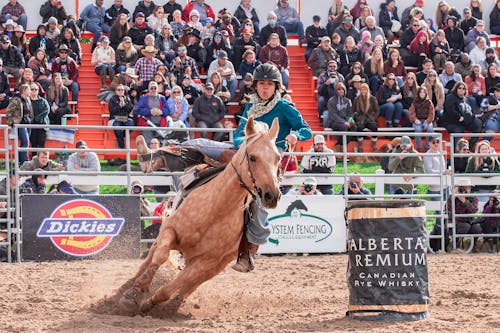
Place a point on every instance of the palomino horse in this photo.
(207, 227)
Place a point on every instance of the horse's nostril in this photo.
(268, 197)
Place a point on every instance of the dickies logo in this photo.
(81, 227)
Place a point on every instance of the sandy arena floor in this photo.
(283, 294)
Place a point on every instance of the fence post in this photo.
(379, 183)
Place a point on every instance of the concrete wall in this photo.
(308, 8)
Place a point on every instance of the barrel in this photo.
(387, 268)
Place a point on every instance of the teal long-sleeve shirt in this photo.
(290, 121)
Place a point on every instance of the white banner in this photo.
(307, 224)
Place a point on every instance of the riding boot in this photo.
(244, 264)
(148, 161)
(102, 75)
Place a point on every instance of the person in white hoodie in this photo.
(103, 58)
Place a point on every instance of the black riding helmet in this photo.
(267, 72)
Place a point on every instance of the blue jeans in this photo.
(392, 112)
(297, 27)
(419, 128)
(24, 140)
(217, 136)
(374, 82)
(212, 149)
(493, 124)
(120, 69)
(107, 69)
(284, 78)
(321, 105)
(231, 86)
(75, 89)
(97, 30)
(22, 20)
(120, 135)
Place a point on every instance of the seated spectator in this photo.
(365, 46)
(347, 29)
(422, 116)
(390, 101)
(157, 20)
(93, 16)
(314, 35)
(244, 11)
(420, 48)
(208, 111)
(435, 92)
(360, 22)
(204, 10)
(18, 40)
(152, 107)
(220, 88)
(372, 28)
(228, 25)
(495, 19)
(323, 162)
(169, 8)
(103, 60)
(119, 30)
(249, 63)
(177, 24)
(120, 109)
(491, 224)
(166, 44)
(42, 42)
(472, 37)
(355, 187)
(43, 162)
(374, 69)
(457, 114)
(189, 91)
(57, 97)
(195, 49)
(399, 162)
(348, 56)
(408, 92)
(339, 116)
(395, 65)
(178, 106)
(443, 11)
(308, 187)
(490, 107)
(455, 37)
(490, 58)
(182, 62)
(464, 67)
(484, 163)
(289, 18)
(71, 23)
(321, 55)
(14, 11)
(35, 184)
(146, 7)
(449, 77)
(125, 56)
(214, 47)
(469, 21)
(20, 111)
(278, 55)
(243, 44)
(246, 90)
(333, 24)
(67, 67)
(406, 38)
(463, 205)
(492, 77)
(354, 87)
(476, 87)
(113, 12)
(272, 27)
(53, 31)
(13, 61)
(326, 86)
(53, 8)
(38, 64)
(366, 112)
(4, 87)
(208, 32)
(68, 38)
(478, 52)
(87, 162)
(130, 82)
(147, 65)
(389, 20)
(139, 31)
(40, 117)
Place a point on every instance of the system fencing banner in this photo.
(307, 224)
(69, 227)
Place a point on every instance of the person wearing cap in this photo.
(104, 60)
(242, 44)
(114, 11)
(471, 38)
(208, 32)
(64, 187)
(226, 70)
(490, 107)
(246, 11)
(469, 21)
(321, 56)
(276, 54)
(153, 110)
(323, 162)
(86, 162)
(314, 35)
(41, 41)
(139, 31)
(347, 29)
(137, 188)
(68, 68)
(146, 7)
(400, 162)
(490, 58)
(195, 48)
(53, 31)
(308, 187)
(36, 184)
(93, 15)
(14, 11)
(130, 80)
(13, 61)
(208, 110)
(272, 27)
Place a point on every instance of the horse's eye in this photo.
(252, 158)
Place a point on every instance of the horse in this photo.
(207, 227)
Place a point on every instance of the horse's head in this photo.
(263, 161)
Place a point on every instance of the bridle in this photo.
(250, 173)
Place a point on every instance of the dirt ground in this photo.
(283, 294)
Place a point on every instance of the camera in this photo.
(136, 189)
(308, 187)
(462, 190)
(496, 201)
(353, 184)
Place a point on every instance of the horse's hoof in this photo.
(128, 302)
(141, 145)
(147, 305)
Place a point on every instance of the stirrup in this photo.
(244, 264)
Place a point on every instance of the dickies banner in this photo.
(73, 227)
(387, 269)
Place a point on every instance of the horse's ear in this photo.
(250, 127)
(275, 128)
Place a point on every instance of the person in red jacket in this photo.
(419, 47)
(68, 68)
(200, 5)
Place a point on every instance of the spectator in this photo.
(400, 162)
(324, 162)
(115, 11)
(314, 35)
(422, 116)
(38, 65)
(491, 224)
(348, 56)
(41, 111)
(455, 37)
(169, 8)
(347, 29)
(182, 62)
(104, 60)
(152, 107)
(63, 187)
(326, 85)
(389, 98)
(53, 31)
(20, 111)
(435, 92)
(406, 38)
(68, 38)
(178, 106)
(448, 77)
(71, 23)
(119, 30)
(406, 16)
(14, 11)
(409, 93)
(203, 9)
(395, 65)
(13, 61)
(244, 11)
(243, 44)
(490, 107)
(308, 187)
(491, 58)
(166, 44)
(137, 188)
(469, 21)
(36, 184)
(355, 187)
(53, 8)
(146, 66)
(372, 28)
(249, 63)
(228, 25)
(93, 15)
(457, 115)
(354, 87)
(443, 11)
(484, 163)
(463, 205)
(472, 37)
(208, 32)
(57, 97)
(492, 78)
(208, 111)
(131, 83)
(289, 18)
(272, 27)
(476, 87)
(41, 41)
(464, 67)
(220, 88)
(495, 19)
(214, 47)
(146, 7)
(366, 112)
(478, 53)
(374, 69)
(195, 49)
(43, 162)
(288, 166)
(389, 20)
(340, 113)
(4, 87)
(321, 56)
(460, 163)
(189, 91)
(440, 50)
(360, 22)
(87, 162)
(139, 31)
(68, 69)
(477, 9)
(18, 40)
(177, 24)
(125, 56)
(278, 55)
(120, 109)
(365, 46)
(157, 20)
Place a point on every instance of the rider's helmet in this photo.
(267, 72)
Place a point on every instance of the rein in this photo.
(240, 179)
